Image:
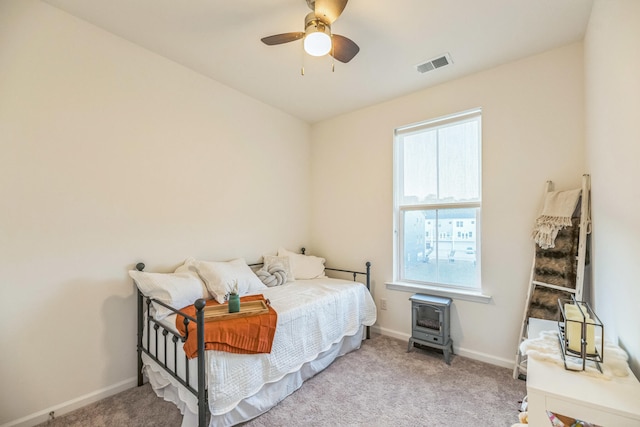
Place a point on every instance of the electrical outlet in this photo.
(383, 304)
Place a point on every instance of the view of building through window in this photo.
(437, 190)
(440, 246)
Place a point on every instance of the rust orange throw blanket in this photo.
(247, 335)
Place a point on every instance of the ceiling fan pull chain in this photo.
(302, 66)
(333, 58)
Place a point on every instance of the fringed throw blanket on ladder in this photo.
(556, 215)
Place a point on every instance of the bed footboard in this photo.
(170, 341)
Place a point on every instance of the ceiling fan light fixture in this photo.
(317, 39)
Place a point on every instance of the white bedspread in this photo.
(312, 315)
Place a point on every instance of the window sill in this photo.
(460, 294)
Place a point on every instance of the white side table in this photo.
(550, 387)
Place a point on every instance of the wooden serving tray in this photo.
(221, 312)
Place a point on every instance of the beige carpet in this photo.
(379, 385)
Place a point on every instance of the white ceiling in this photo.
(221, 39)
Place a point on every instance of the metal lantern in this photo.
(581, 334)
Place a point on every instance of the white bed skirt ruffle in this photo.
(266, 398)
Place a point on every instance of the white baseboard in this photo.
(71, 405)
(483, 357)
(390, 333)
(475, 355)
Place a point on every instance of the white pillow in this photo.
(221, 278)
(189, 267)
(177, 290)
(304, 266)
(269, 260)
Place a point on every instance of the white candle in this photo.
(573, 327)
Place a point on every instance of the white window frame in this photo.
(473, 293)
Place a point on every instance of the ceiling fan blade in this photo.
(329, 10)
(344, 49)
(282, 38)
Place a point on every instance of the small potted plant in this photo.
(234, 299)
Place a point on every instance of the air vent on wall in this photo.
(434, 63)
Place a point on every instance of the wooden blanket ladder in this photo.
(557, 272)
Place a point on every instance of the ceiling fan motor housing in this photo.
(311, 20)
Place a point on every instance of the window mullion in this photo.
(437, 245)
(431, 207)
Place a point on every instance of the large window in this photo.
(437, 201)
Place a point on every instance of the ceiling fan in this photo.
(318, 39)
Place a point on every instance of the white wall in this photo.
(112, 155)
(533, 131)
(612, 61)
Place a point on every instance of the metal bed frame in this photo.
(144, 305)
